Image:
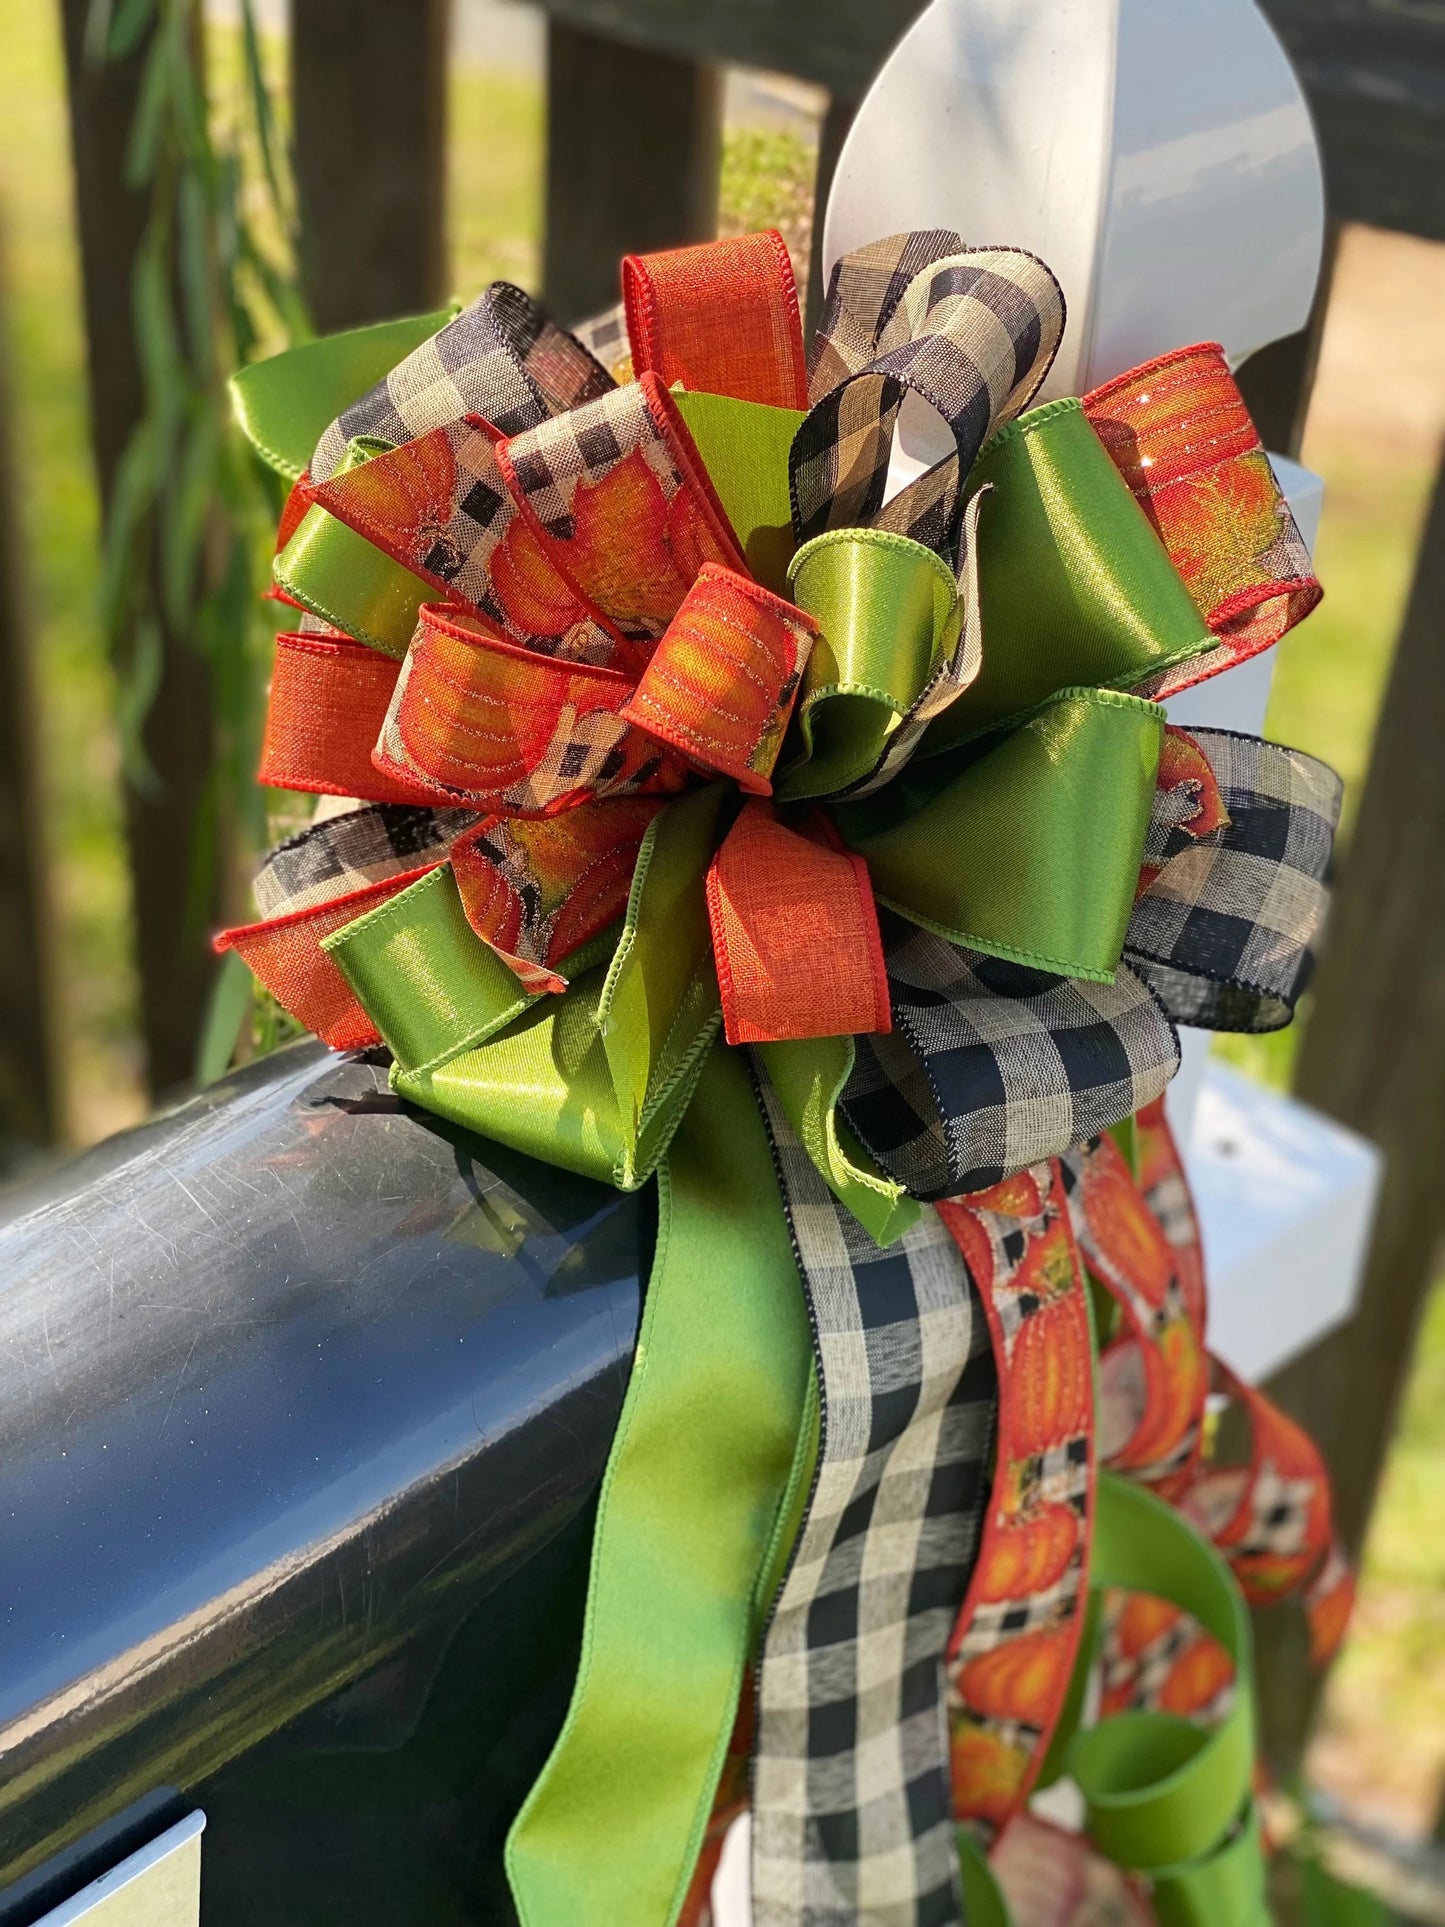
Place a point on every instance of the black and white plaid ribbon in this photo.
(344, 853)
(992, 1066)
(852, 1806)
(973, 331)
(1225, 934)
(503, 358)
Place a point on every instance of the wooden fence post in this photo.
(1374, 1057)
(163, 820)
(1277, 380)
(369, 91)
(634, 148)
(29, 1097)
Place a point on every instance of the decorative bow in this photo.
(911, 828)
(692, 717)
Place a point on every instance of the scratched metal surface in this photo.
(303, 1398)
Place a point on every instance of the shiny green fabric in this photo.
(698, 1507)
(1075, 586)
(808, 1075)
(416, 962)
(888, 610)
(339, 576)
(1032, 850)
(1164, 1796)
(285, 404)
(596, 1079)
(744, 448)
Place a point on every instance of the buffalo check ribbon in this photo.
(684, 784)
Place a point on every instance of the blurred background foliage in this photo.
(1374, 432)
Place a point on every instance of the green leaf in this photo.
(193, 228)
(261, 111)
(184, 525)
(127, 27)
(228, 1007)
(134, 696)
(151, 110)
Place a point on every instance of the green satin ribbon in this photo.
(888, 610)
(338, 575)
(286, 404)
(1160, 1790)
(704, 1485)
(1164, 1798)
(1075, 586)
(809, 1076)
(597, 1079)
(1032, 850)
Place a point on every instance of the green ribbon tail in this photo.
(702, 1489)
(1165, 1797)
(286, 403)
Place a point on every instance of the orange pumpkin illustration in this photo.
(532, 596)
(1021, 1679)
(1139, 1621)
(474, 711)
(1178, 1383)
(989, 1775)
(631, 552)
(404, 500)
(1196, 1678)
(1125, 1230)
(1047, 1268)
(1052, 1377)
(1024, 1557)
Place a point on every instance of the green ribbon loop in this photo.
(698, 1508)
(430, 986)
(888, 609)
(339, 576)
(285, 405)
(596, 1079)
(1031, 850)
(1075, 585)
(1164, 1796)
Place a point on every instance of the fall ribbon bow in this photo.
(664, 697)
(712, 729)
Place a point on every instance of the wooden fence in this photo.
(634, 122)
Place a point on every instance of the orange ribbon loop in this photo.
(510, 731)
(722, 681)
(1180, 434)
(329, 698)
(795, 934)
(284, 953)
(722, 318)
